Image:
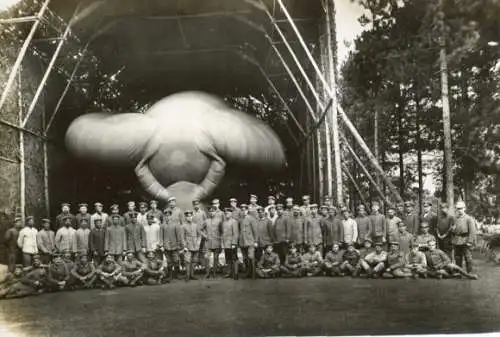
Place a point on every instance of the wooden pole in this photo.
(22, 162)
(355, 184)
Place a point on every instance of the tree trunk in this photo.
(419, 155)
(400, 110)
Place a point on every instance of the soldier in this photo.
(364, 225)
(199, 215)
(154, 272)
(429, 217)
(236, 211)
(67, 259)
(82, 214)
(248, 240)
(333, 231)
(84, 272)
(364, 251)
(349, 227)
(130, 210)
(282, 233)
(58, 275)
(252, 207)
(153, 209)
(333, 261)
(11, 284)
(271, 203)
(97, 241)
(109, 272)
(327, 201)
(153, 237)
(297, 229)
(176, 211)
(374, 263)
(132, 269)
(269, 263)
(440, 265)
(443, 229)
(136, 237)
(378, 224)
(191, 238)
(392, 224)
(142, 216)
(14, 253)
(46, 242)
(98, 207)
(171, 243)
(211, 229)
(312, 262)
(115, 211)
(304, 208)
(27, 241)
(313, 229)
(115, 239)
(400, 210)
(265, 232)
(293, 263)
(66, 236)
(395, 263)
(404, 238)
(289, 208)
(411, 219)
(82, 235)
(351, 261)
(219, 214)
(463, 236)
(229, 240)
(65, 212)
(416, 262)
(424, 237)
(29, 283)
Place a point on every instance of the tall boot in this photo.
(252, 264)
(188, 272)
(177, 272)
(235, 269)
(191, 273)
(170, 274)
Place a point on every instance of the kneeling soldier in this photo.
(154, 272)
(333, 261)
(351, 260)
(132, 269)
(58, 274)
(269, 264)
(416, 262)
(441, 266)
(395, 263)
(109, 272)
(293, 263)
(84, 273)
(313, 262)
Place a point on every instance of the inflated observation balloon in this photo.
(180, 147)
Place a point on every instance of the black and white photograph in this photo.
(249, 167)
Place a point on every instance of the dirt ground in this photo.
(320, 306)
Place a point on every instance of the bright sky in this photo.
(348, 27)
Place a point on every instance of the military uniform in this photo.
(269, 265)
(155, 212)
(136, 239)
(312, 263)
(443, 228)
(13, 251)
(106, 221)
(66, 239)
(132, 270)
(247, 240)
(293, 266)
(212, 229)
(265, 233)
(58, 275)
(463, 237)
(405, 240)
(314, 232)
(376, 261)
(82, 240)
(46, 241)
(82, 216)
(392, 228)
(379, 230)
(364, 228)
(282, 234)
(191, 239)
(333, 262)
(416, 262)
(60, 219)
(98, 215)
(84, 274)
(109, 272)
(412, 223)
(229, 241)
(171, 240)
(131, 212)
(333, 231)
(395, 263)
(115, 241)
(27, 242)
(351, 260)
(97, 244)
(154, 270)
(297, 230)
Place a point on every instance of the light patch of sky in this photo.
(348, 26)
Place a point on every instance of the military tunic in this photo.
(66, 239)
(212, 229)
(313, 230)
(229, 235)
(60, 222)
(364, 228)
(82, 216)
(171, 236)
(281, 229)
(248, 231)
(265, 231)
(412, 223)
(404, 239)
(97, 242)
(152, 236)
(46, 241)
(333, 230)
(297, 229)
(392, 228)
(378, 224)
(102, 215)
(136, 237)
(82, 240)
(199, 216)
(115, 240)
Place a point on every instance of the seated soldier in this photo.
(67, 258)
(333, 261)
(293, 263)
(109, 272)
(269, 264)
(395, 263)
(422, 239)
(132, 269)
(416, 262)
(312, 262)
(440, 265)
(9, 285)
(58, 274)
(154, 272)
(22, 284)
(84, 272)
(350, 261)
(374, 263)
(363, 252)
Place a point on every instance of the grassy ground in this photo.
(320, 306)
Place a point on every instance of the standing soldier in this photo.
(66, 236)
(281, 233)
(248, 240)
(463, 236)
(97, 241)
(364, 225)
(153, 237)
(171, 243)
(46, 241)
(252, 207)
(333, 232)
(404, 238)
(82, 237)
(313, 230)
(271, 202)
(65, 212)
(392, 224)
(130, 210)
(98, 207)
(378, 222)
(176, 211)
(10, 240)
(235, 210)
(400, 210)
(219, 214)
(411, 218)
(27, 241)
(265, 235)
(191, 238)
(289, 208)
(116, 239)
(229, 240)
(327, 200)
(115, 211)
(304, 209)
(349, 227)
(297, 229)
(211, 230)
(272, 215)
(136, 238)
(199, 215)
(82, 214)
(269, 263)
(153, 209)
(429, 217)
(142, 216)
(443, 230)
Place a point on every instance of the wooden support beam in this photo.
(355, 184)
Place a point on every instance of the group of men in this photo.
(153, 246)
